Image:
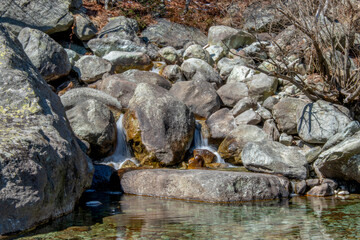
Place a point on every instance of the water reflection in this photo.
(139, 217)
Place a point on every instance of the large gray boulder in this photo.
(262, 86)
(230, 149)
(275, 158)
(122, 28)
(220, 124)
(231, 93)
(122, 61)
(103, 46)
(284, 113)
(166, 33)
(340, 158)
(226, 65)
(203, 185)
(196, 51)
(47, 16)
(94, 123)
(48, 56)
(92, 68)
(197, 69)
(198, 95)
(158, 127)
(43, 171)
(228, 37)
(317, 122)
(240, 73)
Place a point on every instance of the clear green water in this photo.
(136, 217)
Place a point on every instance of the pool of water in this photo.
(137, 217)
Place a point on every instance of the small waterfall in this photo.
(122, 151)
(202, 143)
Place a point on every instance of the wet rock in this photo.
(169, 55)
(231, 93)
(166, 33)
(46, 16)
(197, 69)
(93, 122)
(158, 127)
(102, 46)
(275, 158)
(220, 123)
(230, 149)
(196, 162)
(43, 171)
(173, 73)
(216, 53)
(271, 130)
(321, 191)
(248, 117)
(128, 164)
(198, 95)
(84, 28)
(319, 121)
(207, 156)
(138, 76)
(226, 65)
(229, 38)
(242, 105)
(284, 113)
(48, 56)
(122, 28)
(204, 185)
(122, 61)
(103, 178)
(262, 85)
(240, 74)
(92, 68)
(196, 51)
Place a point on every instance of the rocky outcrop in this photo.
(94, 123)
(197, 69)
(276, 158)
(43, 171)
(44, 15)
(202, 185)
(48, 56)
(198, 95)
(92, 68)
(158, 127)
(165, 33)
(317, 122)
(230, 149)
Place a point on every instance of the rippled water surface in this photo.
(136, 217)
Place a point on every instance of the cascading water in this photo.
(202, 143)
(122, 151)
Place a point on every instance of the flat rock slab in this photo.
(205, 185)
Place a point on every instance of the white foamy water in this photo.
(157, 67)
(122, 151)
(202, 143)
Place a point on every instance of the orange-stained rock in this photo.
(196, 162)
(217, 165)
(207, 155)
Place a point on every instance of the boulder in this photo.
(43, 171)
(197, 69)
(341, 161)
(170, 55)
(248, 117)
(204, 185)
(230, 149)
(196, 51)
(122, 61)
(46, 16)
(228, 37)
(92, 68)
(197, 162)
(72, 56)
(262, 85)
(242, 105)
(208, 156)
(240, 73)
(231, 93)
(158, 127)
(166, 33)
(317, 122)
(103, 46)
(78, 95)
(264, 113)
(284, 113)
(216, 53)
(198, 95)
(138, 76)
(226, 65)
(322, 190)
(270, 102)
(84, 29)
(271, 130)
(261, 17)
(94, 123)
(286, 139)
(275, 158)
(352, 128)
(173, 73)
(48, 56)
(121, 28)
(220, 124)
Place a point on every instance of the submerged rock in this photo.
(158, 127)
(43, 171)
(205, 185)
